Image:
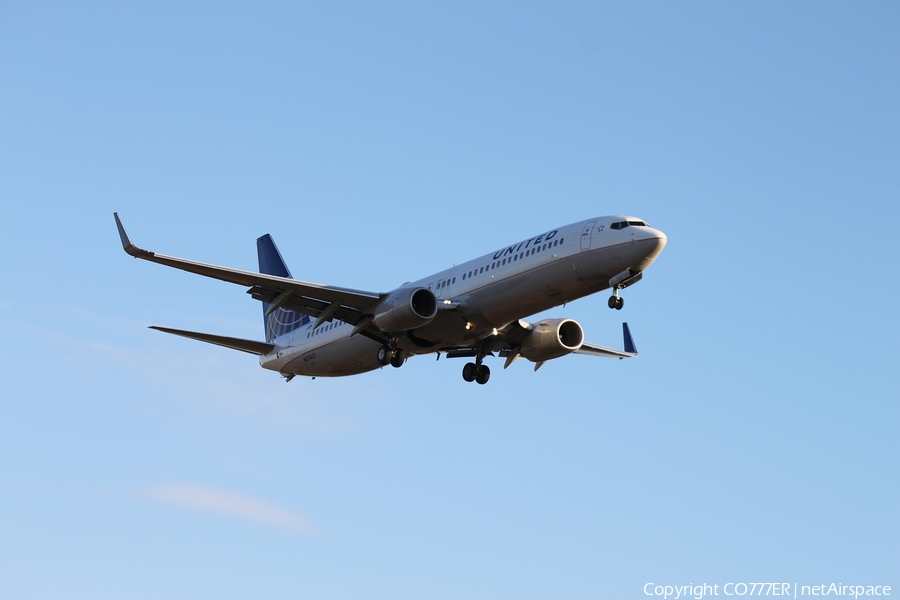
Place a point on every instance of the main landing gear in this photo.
(476, 372)
(616, 301)
(390, 356)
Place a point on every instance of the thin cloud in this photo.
(224, 502)
(198, 376)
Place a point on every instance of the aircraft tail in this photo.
(279, 321)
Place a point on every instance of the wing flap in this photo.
(250, 346)
(309, 306)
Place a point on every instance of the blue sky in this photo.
(754, 440)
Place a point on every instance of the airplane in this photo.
(471, 310)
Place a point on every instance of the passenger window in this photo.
(561, 240)
(454, 280)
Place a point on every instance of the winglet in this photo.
(127, 245)
(629, 342)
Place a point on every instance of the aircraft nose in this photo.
(660, 238)
(651, 244)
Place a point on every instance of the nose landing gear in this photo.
(616, 301)
(620, 282)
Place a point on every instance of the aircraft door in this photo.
(438, 288)
(586, 236)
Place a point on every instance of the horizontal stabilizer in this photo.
(251, 346)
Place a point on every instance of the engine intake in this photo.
(552, 338)
(405, 309)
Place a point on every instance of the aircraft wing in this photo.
(302, 296)
(251, 346)
(595, 350)
(510, 336)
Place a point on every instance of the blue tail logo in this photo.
(281, 321)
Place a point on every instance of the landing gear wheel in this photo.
(620, 302)
(397, 359)
(470, 371)
(483, 374)
(384, 355)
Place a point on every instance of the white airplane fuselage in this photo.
(530, 276)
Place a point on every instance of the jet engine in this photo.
(404, 309)
(552, 338)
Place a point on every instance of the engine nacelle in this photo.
(405, 309)
(552, 338)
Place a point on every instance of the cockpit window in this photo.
(624, 224)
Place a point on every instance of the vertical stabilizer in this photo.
(281, 320)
